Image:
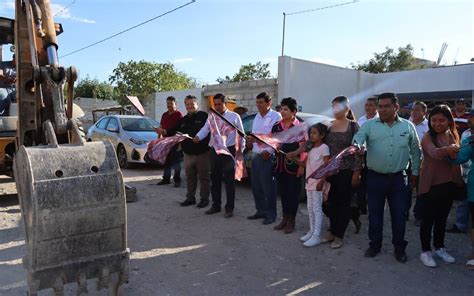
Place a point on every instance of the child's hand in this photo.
(291, 155)
(452, 151)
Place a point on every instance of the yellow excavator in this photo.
(71, 192)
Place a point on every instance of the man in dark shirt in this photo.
(196, 155)
(169, 120)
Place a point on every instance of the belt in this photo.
(402, 172)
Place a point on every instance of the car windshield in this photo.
(137, 124)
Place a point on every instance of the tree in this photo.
(93, 88)
(248, 72)
(391, 61)
(143, 78)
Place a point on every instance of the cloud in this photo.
(7, 5)
(323, 61)
(63, 12)
(183, 60)
(59, 11)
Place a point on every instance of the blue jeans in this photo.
(462, 215)
(395, 189)
(264, 186)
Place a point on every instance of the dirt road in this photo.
(181, 251)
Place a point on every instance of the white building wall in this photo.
(314, 85)
(451, 78)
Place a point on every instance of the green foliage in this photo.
(93, 88)
(248, 72)
(143, 78)
(391, 61)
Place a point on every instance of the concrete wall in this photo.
(314, 85)
(244, 92)
(89, 104)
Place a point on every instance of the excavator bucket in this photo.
(72, 198)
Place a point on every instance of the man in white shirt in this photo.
(222, 166)
(370, 111)
(418, 117)
(263, 182)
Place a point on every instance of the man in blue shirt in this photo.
(391, 143)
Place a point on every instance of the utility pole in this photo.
(283, 39)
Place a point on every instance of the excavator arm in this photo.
(71, 192)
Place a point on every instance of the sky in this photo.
(213, 38)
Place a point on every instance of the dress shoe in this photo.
(290, 225)
(282, 223)
(228, 214)
(256, 216)
(328, 238)
(203, 204)
(188, 202)
(212, 210)
(401, 256)
(371, 252)
(337, 243)
(268, 221)
(163, 182)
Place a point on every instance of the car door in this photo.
(98, 130)
(112, 132)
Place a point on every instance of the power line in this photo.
(321, 8)
(65, 7)
(128, 29)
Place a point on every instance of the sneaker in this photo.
(306, 237)
(427, 259)
(312, 242)
(441, 253)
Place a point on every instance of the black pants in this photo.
(289, 187)
(436, 206)
(339, 202)
(223, 170)
(361, 191)
(471, 209)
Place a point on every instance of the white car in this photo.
(129, 134)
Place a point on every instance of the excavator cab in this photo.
(71, 193)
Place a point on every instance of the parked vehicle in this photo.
(129, 134)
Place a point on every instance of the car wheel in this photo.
(122, 157)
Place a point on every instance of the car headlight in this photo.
(138, 141)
